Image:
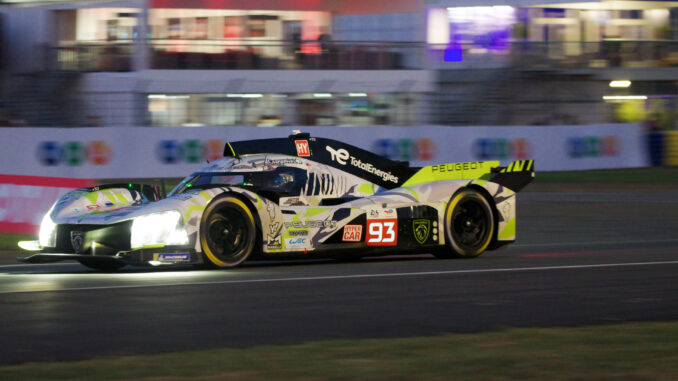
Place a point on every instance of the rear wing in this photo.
(515, 176)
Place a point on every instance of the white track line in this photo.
(592, 243)
(340, 277)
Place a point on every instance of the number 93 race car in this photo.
(295, 197)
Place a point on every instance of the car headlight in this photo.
(165, 228)
(47, 235)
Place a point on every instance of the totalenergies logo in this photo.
(406, 149)
(74, 153)
(189, 151)
(500, 148)
(592, 146)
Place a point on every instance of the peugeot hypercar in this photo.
(293, 197)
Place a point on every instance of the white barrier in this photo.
(66, 156)
(136, 152)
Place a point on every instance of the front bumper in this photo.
(141, 257)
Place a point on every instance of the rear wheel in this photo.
(469, 225)
(227, 232)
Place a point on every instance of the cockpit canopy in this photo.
(287, 180)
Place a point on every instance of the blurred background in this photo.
(93, 90)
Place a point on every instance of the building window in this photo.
(272, 109)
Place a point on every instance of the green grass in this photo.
(638, 351)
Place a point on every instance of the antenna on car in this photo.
(229, 151)
(296, 134)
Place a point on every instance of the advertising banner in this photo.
(38, 165)
(154, 152)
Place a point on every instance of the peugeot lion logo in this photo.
(421, 229)
(77, 240)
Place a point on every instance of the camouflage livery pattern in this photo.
(332, 206)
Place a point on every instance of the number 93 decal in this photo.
(382, 232)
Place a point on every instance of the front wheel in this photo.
(227, 232)
(469, 225)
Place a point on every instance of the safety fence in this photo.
(96, 55)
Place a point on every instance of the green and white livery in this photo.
(288, 198)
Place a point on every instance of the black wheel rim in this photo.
(470, 224)
(227, 234)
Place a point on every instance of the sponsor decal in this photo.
(456, 167)
(172, 257)
(389, 212)
(51, 153)
(273, 238)
(302, 148)
(292, 201)
(342, 157)
(339, 155)
(353, 233)
(406, 149)
(93, 206)
(295, 243)
(499, 148)
(273, 242)
(374, 213)
(77, 241)
(282, 162)
(421, 229)
(592, 146)
(311, 224)
(382, 232)
(298, 233)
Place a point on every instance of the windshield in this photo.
(281, 179)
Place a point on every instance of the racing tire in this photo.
(469, 225)
(101, 265)
(227, 233)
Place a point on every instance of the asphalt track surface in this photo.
(582, 257)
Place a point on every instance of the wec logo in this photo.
(340, 155)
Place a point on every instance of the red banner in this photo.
(25, 199)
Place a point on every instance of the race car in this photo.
(295, 197)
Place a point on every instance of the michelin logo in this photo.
(171, 257)
(341, 156)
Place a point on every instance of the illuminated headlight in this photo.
(165, 228)
(47, 235)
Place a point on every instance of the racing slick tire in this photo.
(469, 225)
(227, 232)
(101, 265)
